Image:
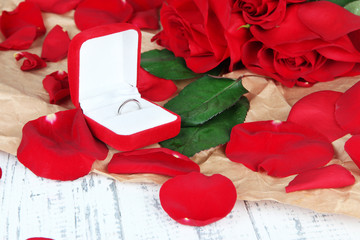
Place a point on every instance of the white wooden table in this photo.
(96, 207)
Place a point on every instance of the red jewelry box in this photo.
(103, 65)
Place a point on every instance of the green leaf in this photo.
(214, 132)
(205, 98)
(353, 7)
(341, 2)
(164, 64)
(338, 2)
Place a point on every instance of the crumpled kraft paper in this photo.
(22, 98)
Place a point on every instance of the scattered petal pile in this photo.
(57, 85)
(279, 148)
(155, 160)
(60, 146)
(56, 45)
(195, 199)
(285, 148)
(31, 62)
(332, 176)
(21, 26)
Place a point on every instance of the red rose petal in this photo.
(197, 200)
(141, 5)
(31, 62)
(56, 6)
(20, 40)
(279, 148)
(236, 36)
(25, 15)
(317, 111)
(56, 45)
(289, 31)
(57, 85)
(326, 25)
(39, 238)
(347, 112)
(146, 14)
(91, 13)
(148, 19)
(156, 160)
(332, 176)
(0, 173)
(60, 146)
(352, 147)
(154, 88)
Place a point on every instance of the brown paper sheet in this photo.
(22, 98)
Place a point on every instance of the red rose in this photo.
(265, 13)
(237, 34)
(309, 46)
(194, 30)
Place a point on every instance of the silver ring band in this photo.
(128, 101)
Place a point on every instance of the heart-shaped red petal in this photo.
(332, 176)
(154, 88)
(155, 160)
(92, 13)
(317, 111)
(60, 146)
(197, 200)
(56, 45)
(347, 111)
(278, 148)
(352, 147)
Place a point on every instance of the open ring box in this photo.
(103, 65)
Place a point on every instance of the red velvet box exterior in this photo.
(122, 142)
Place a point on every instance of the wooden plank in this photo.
(96, 207)
(86, 208)
(273, 220)
(143, 218)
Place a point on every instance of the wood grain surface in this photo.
(96, 207)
